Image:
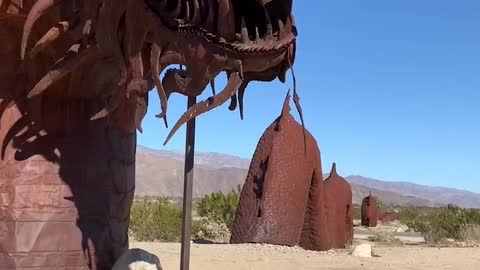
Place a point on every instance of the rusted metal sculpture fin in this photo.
(233, 83)
(155, 54)
(53, 34)
(38, 9)
(63, 67)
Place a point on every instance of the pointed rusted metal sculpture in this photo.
(338, 204)
(369, 211)
(282, 200)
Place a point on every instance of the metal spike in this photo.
(289, 25)
(176, 11)
(281, 27)
(196, 13)
(269, 28)
(38, 9)
(187, 13)
(244, 31)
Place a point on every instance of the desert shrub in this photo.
(211, 230)
(443, 223)
(219, 207)
(471, 234)
(386, 238)
(159, 220)
(356, 212)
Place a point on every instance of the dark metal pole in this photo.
(187, 190)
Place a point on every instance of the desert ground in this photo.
(410, 252)
(266, 257)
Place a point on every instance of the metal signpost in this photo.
(187, 190)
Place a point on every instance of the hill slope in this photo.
(160, 173)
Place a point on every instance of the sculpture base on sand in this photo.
(65, 197)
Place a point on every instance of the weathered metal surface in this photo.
(65, 196)
(74, 81)
(282, 200)
(338, 204)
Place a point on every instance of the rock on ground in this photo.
(363, 250)
(137, 259)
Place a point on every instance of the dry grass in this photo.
(385, 238)
(470, 234)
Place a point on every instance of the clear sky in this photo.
(389, 89)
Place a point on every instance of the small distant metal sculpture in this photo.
(369, 211)
(282, 200)
(338, 204)
(74, 83)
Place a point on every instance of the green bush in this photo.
(219, 207)
(159, 220)
(356, 212)
(440, 224)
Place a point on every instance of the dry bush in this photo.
(211, 230)
(385, 238)
(471, 234)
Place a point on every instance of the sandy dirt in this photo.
(266, 257)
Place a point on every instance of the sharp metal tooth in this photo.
(269, 28)
(281, 27)
(187, 12)
(244, 31)
(257, 34)
(196, 13)
(289, 24)
(176, 11)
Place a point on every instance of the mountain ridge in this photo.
(160, 173)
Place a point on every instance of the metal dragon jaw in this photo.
(251, 38)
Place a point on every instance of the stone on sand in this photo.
(363, 250)
(137, 259)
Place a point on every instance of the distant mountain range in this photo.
(160, 173)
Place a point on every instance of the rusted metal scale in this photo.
(338, 204)
(65, 195)
(369, 211)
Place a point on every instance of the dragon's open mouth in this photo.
(270, 22)
(240, 22)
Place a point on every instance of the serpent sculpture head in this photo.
(126, 44)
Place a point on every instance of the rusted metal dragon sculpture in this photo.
(74, 83)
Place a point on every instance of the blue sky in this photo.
(389, 89)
